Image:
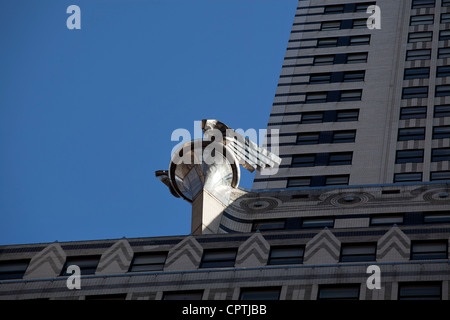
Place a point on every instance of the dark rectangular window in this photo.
(298, 182)
(87, 264)
(347, 115)
(359, 23)
(120, 296)
(359, 40)
(316, 97)
(362, 7)
(411, 134)
(444, 35)
(350, 95)
(443, 71)
(330, 25)
(419, 291)
(269, 225)
(304, 160)
(413, 113)
(333, 9)
(356, 252)
(340, 159)
(286, 255)
(442, 91)
(445, 17)
(445, 3)
(308, 138)
(443, 53)
(13, 269)
(430, 249)
(339, 292)
(323, 60)
(421, 19)
(357, 57)
(183, 295)
(441, 132)
(320, 78)
(386, 220)
(354, 76)
(419, 54)
(409, 156)
(312, 117)
(436, 217)
(148, 261)
(440, 175)
(420, 36)
(317, 222)
(218, 258)
(338, 180)
(415, 92)
(344, 136)
(408, 177)
(327, 42)
(260, 294)
(416, 73)
(422, 4)
(440, 154)
(442, 111)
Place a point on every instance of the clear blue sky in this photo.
(86, 116)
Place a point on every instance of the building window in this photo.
(120, 296)
(420, 54)
(269, 225)
(338, 180)
(311, 117)
(350, 95)
(148, 261)
(436, 217)
(344, 136)
(356, 252)
(330, 25)
(413, 113)
(339, 292)
(316, 97)
(354, 76)
(87, 264)
(416, 73)
(317, 222)
(306, 160)
(443, 71)
(442, 91)
(443, 53)
(359, 24)
(441, 132)
(441, 154)
(357, 57)
(422, 4)
(260, 294)
(333, 9)
(308, 138)
(442, 111)
(425, 250)
(320, 78)
(298, 182)
(444, 35)
(420, 36)
(415, 92)
(386, 220)
(218, 258)
(323, 60)
(419, 291)
(445, 3)
(183, 295)
(411, 134)
(327, 42)
(445, 17)
(409, 156)
(340, 159)
(421, 19)
(440, 175)
(362, 7)
(347, 115)
(286, 255)
(408, 177)
(359, 40)
(13, 269)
